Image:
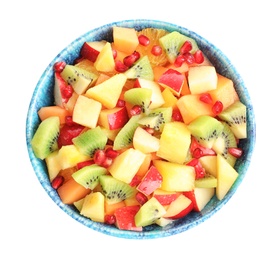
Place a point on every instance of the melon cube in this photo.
(202, 79)
(105, 60)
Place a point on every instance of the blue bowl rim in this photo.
(153, 231)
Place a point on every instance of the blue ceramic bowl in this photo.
(43, 96)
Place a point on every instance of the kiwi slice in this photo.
(88, 176)
(124, 137)
(79, 78)
(206, 130)
(235, 117)
(44, 141)
(208, 181)
(115, 190)
(157, 118)
(224, 141)
(139, 96)
(90, 141)
(141, 69)
(173, 42)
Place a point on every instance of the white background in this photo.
(34, 32)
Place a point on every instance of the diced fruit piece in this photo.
(108, 92)
(209, 163)
(202, 79)
(126, 165)
(115, 190)
(208, 181)
(88, 176)
(125, 218)
(105, 61)
(179, 208)
(79, 204)
(93, 207)
(90, 50)
(206, 130)
(141, 69)
(169, 99)
(150, 182)
(80, 79)
(67, 133)
(44, 141)
(173, 80)
(86, 111)
(176, 177)
(111, 208)
(235, 117)
(62, 91)
(48, 111)
(114, 118)
(174, 142)
(165, 197)
(226, 176)
(144, 141)
(125, 39)
(90, 141)
(53, 165)
(149, 213)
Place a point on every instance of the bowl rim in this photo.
(40, 169)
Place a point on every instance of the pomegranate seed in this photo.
(111, 153)
(217, 108)
(143, 40)
(99, 157)
(236, 152)
(198, 150)
(59, 66)
(141, 198)
(179, 61)
(120, 103)
(115, 53)
(136, 54)
(135, 181)
(136, 110)
(107, 162)
(57, 182)
(120, 67)
(199, 170)
(129, 60)
(186, 47)
(156, 50)
(189, 58)
(198, 57)
(197, 153)
(110, 219)
(67, 91)
(80, 165)
(177, 116)
(193, 162)
(206, 98)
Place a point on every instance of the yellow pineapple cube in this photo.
(105, 60)
(174, 142)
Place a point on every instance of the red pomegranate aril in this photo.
(110, 219)
(179, 61)
(198, 57)
(120, 103)
(111, 153)
(107, 162)
(67, 91)
(120, 67)
(186, 47)
(136, 54)
(83, 164)
(141, 198)
(143, 40)
(199, 170)
(57, 182)
(136, 110)
(135, 181)
(217, 108)
(115, 53)
(206, 98)
(236, 152)
(197, 153)
(99, 156)
(129, 60)
(177, 116)
(189, 58)
(156, 50)
(59, 66)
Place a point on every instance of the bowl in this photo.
(43, 96)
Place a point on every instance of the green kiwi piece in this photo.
(44, 141)
(206, 129)
(225, 140)
(79, 78)
(208, 181)
(173, 42)
(141, 69)
(124, 137)
(235, 117)
(157, 118)
(90, 141)
(88, 176)
(139, 96)
(115, 190)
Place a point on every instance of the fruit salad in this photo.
(143, 129)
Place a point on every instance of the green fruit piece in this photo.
(157, 118)
(149, 213)
(206, 129)
(141, 69)
(124, 137)
(90, 141)
(235, 117)
(79, 78)
(173, 42)
(44, 141)
(88, 176)
(225, 140)
(115, 190)
(208, 181)
(139, 96)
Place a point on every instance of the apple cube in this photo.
(165, 197)
(90, 50)
(86, 111)
(105, 60)
(150, 182)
